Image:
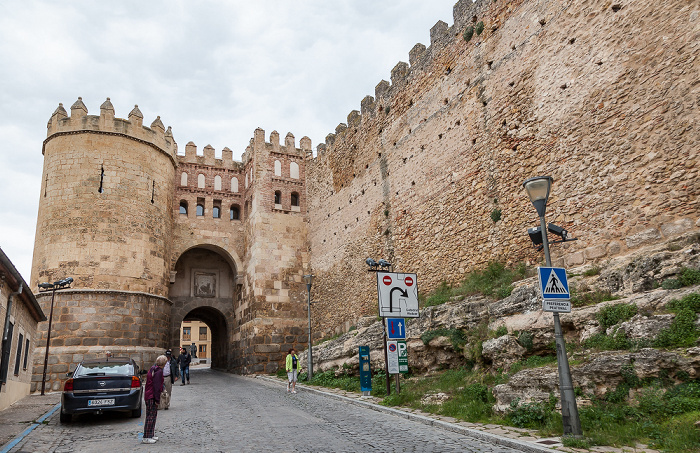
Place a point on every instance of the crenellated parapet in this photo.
(79, 122)
(420, 57)
(208, 158)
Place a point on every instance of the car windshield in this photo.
(105, 369)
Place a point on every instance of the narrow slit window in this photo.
(278, 197)
(216, 211)
(18, 359)
(26, 353)
(102, 179)
(295, 199)
(235, 212)
(200, 207)
(153, 192)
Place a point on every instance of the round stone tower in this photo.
(105, 219)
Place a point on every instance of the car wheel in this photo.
(136, 413)
(65, 418)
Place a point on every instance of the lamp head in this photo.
(384, 263)
(538, 189)
(308, 279)
(45, 286)
(371, 263)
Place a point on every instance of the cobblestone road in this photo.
(227, 413)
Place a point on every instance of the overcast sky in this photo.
(213, 70)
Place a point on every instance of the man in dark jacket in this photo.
(184, 361)
(171, 374)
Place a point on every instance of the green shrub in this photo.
(591, 272)
(496, 280)
(603, 342)
(456, 336)
(439, 296)
(468, 33)
(503, 330)
(689, 277)
(582, 299)
(671, 283)
(614, 314)
(533, 415)
(496, 215)
(525, 340)
(690, 302)
(682, 332)
(479, 27)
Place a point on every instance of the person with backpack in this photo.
(184, 360)
(151, 396)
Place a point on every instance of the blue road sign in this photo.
(396, 328)
(553, 283)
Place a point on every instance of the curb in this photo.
(488, 437)
(13, 443)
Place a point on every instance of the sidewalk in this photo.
(21, 415)
(518, 438)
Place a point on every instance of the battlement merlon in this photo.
(208, 157)
(258, 145)
(106, 123)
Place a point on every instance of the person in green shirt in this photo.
(292, 366)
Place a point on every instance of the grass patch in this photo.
(682, 332)
(456, 336)
(534, 361)
(595, 270)
(494, 281)
(585, 298)
(614, 314)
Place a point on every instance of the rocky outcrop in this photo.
(503, 351)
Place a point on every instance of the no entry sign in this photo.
(398, 295)
(386, 280)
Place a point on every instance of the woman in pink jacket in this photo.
(151, 396)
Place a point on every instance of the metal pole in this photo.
(386, 360)
(310, 373)
(48, 340)
(569, 411)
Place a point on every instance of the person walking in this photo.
(151, 396)
(171, 374)
(184, 360)
(292, 366)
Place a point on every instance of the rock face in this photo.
(531, 332)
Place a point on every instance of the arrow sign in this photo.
(398, 296)
(396, 328)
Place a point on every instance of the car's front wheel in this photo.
(65, 418)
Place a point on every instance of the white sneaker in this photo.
(294, 391)
(148, 440)
(154, 437)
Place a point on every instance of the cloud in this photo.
(213, 70)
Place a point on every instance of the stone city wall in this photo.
(89, 323)
(600, 95)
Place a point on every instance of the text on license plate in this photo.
(104, 402)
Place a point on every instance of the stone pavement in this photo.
(229, 413)
(21, 415)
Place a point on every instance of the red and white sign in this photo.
(397, 294)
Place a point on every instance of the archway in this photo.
(203, 288)
(217, 352)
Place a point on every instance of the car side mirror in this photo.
(69, 374)
(143, 373)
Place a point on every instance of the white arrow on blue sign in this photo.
(396, 328)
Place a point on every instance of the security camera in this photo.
(371, 263)
(384, 263)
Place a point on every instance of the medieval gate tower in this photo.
(153, 238)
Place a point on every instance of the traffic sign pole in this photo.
(386, 363)
(569, 411)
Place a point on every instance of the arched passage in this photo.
(203, 288)
(216, 322)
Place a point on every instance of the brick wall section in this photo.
(600, 98)
(87, 324)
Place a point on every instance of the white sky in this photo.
(213, 70)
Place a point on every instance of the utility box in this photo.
(365, 371)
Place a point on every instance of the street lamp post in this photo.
(310, 373)
(53, 287)
(538, 189)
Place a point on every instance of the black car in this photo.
(97, 386)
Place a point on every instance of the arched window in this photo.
(217, 182)
(294, 170)
(217, 212)
(200, 210)
(183, 179)
(278, 197)
(234, 184)
(183, 206)
(235, 212)
(295, 199)
(200, 181)
(278, 168)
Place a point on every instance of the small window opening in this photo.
(235, 213)
(278, 197)
(102, 178)
(183, 207)
(295, 199)
(216, 211)
(200, 207)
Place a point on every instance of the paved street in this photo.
(228, 413)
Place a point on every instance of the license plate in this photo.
(105, 402)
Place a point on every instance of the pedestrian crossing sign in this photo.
(555, 289)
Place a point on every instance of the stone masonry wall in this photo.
(600, 95)
(87, 324)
